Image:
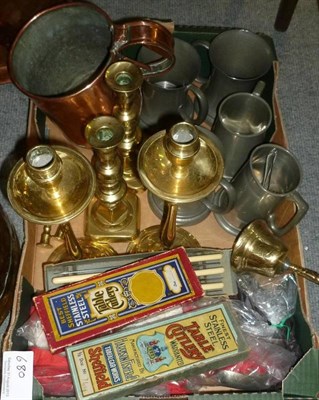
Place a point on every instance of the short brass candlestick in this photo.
(114, 213)
(258, 250)
(125, 79)
(45, 239)
(52, 186)
(179, 166)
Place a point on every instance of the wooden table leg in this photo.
(284, 14)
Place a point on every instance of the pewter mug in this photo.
(59, 58)
(239, 58)
(269, 177)
(241, 124)
(167, 99)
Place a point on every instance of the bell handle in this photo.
(150, 34)
(71, 243)
(309, 274)
(301, 209)
(168, 224)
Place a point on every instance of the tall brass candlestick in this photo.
(125, 79)
(114, 213)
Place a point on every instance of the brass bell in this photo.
(257, 249)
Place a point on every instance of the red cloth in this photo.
(52, 372)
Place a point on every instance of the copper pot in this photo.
(59, 57)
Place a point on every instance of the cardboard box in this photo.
(301, 382)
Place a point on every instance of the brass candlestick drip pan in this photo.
(179, 166)
(53, 185)
(258, 250)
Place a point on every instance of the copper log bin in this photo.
(58, 59)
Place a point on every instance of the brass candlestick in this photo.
(52, 186)
(45, 239)
(114, 214)
(258, 250)
(179, 166)
(125, 79)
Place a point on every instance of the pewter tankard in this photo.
(239, 58)
(269, 178)
(173, 96)
(241, 124)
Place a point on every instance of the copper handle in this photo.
(150, 34)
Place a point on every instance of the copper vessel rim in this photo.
(97, 74)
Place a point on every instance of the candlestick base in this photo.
(119, 223)
(90, 249)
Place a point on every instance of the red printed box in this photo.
(115, 298)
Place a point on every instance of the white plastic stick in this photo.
(206, 257)
(212, 286)
(64, 280)
(209, 271)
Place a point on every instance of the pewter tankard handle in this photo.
(202, 107)
(204, 44)
(301, 209)
(213, 201)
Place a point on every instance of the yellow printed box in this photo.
(131, 360)
(115, 298)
